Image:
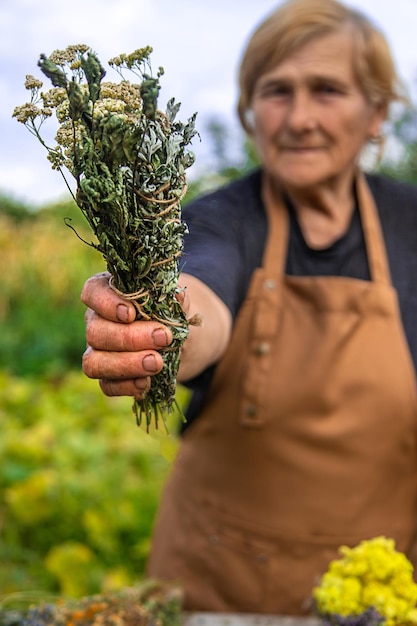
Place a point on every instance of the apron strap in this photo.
(266, 315)
(374, 239)
(274, 260)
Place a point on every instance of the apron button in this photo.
(269, 284)
(261, 558)
(214, 540)
(251, 410)
(262, 348)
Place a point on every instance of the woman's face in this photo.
(310, 116)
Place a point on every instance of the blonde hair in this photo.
(296, 23)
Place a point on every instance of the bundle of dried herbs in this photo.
(128, 160)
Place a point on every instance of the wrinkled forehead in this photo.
(331, 54)
(287, 46)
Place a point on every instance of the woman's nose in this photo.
(300, 114)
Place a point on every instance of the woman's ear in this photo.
(249, 120)
(379, 116)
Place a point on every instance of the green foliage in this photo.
(226, 162)
(44, 267)
(15, 209)
(403, 138)
(79, 482)
(79, 486)
(405, 168)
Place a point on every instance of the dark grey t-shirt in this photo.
(227, 234)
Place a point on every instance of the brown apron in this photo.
(307, 442)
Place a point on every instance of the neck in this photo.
(323, 212)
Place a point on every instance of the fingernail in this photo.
(160, 338)
(122, 313)
(142, 384)
(149, 363)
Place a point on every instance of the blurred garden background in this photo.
(79, 481)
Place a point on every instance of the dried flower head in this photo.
(32, 83)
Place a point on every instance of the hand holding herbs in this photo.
(128, 160)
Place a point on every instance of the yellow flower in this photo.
(404, 587)
(370, 575)
(378, 595)
(412, 616)
(338, 595)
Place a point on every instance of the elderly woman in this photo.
(301, 434)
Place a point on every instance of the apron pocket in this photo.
(243, 568)
(230, 566)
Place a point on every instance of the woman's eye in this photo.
(327, 89)
(276, 91)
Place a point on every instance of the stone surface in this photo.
(240, 619)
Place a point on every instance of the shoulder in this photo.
(397, 207)
(228, 199)
(391, 193)
(225, 238)
(233, 214)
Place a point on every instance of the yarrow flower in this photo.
(32, 83)
(372, 578)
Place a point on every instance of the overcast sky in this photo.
(198, 42)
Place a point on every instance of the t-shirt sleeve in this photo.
(211, 250)
(225, 239)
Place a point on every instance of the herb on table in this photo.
(150, 604)
(128, 160)
(370, 585)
